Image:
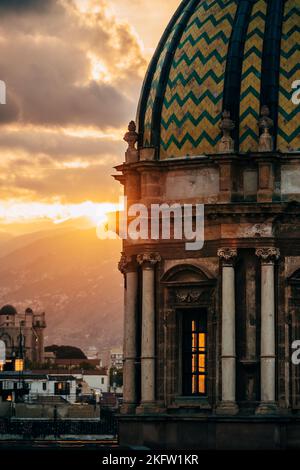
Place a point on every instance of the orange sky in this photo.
(73, 71)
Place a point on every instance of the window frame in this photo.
(197, 313)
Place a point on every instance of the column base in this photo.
(229, 408)
(266, 408)
(128, 409)
(148, 408)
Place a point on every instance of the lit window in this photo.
(62, 388)
(19, 365)
(194, 354)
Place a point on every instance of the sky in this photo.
(73, 71)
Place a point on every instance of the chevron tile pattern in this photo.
(289, 113)
(251, 79)
(193, 98)
(155, 86)
(195, 72)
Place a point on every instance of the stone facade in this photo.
(30, 325)
(251, 260)
(242, 289)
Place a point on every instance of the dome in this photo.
(8, 310)
(218, 55)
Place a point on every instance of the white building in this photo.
(34, 387)
(97, 380)
(116, 358)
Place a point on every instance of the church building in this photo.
(22, 336)
(209, 334)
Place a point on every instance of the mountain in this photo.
(5, 237)
(73, 277)
(9, 242)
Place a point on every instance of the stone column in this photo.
(148, 262)
(228, 404)
(129, 268)
(268, 256)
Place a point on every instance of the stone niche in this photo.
(200, 183)
(290, 182)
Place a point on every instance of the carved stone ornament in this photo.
(188, 297)
(227, 255)
(131, 137)
(150, 259)
(125, 263)
(268, 255)
(265, 124)
(226, 126)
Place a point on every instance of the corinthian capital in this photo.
(148, 259)
(126, 264)
(268, 255)
(227, 255)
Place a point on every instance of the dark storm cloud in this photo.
(45, 61)
(24, 6)
(48, 53)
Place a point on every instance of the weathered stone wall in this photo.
(64, 411)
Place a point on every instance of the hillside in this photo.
(73, 277)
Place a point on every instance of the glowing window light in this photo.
(19, 365)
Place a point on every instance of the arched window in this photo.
(190, 307)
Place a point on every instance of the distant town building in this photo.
(116, 358)
(93, 381)
(22, 334)
(49, 357)
(36, 387)
(92, 353)
(97, 380)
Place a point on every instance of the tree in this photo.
(66, 352)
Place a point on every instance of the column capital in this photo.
(227, 255)
(148, 260)
(127, 264)
(268, 255)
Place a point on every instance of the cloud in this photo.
(73, 72)
(48, 60)
(21, 6)
(57, 146)
(43, 181)
(41, 165)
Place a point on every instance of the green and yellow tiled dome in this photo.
(215, 55)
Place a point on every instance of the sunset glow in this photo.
(61, 139)
(56, 212)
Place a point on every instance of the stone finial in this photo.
(265, 123)
(226, 126)
(268, 255)
(228, 255)
(131, 137)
